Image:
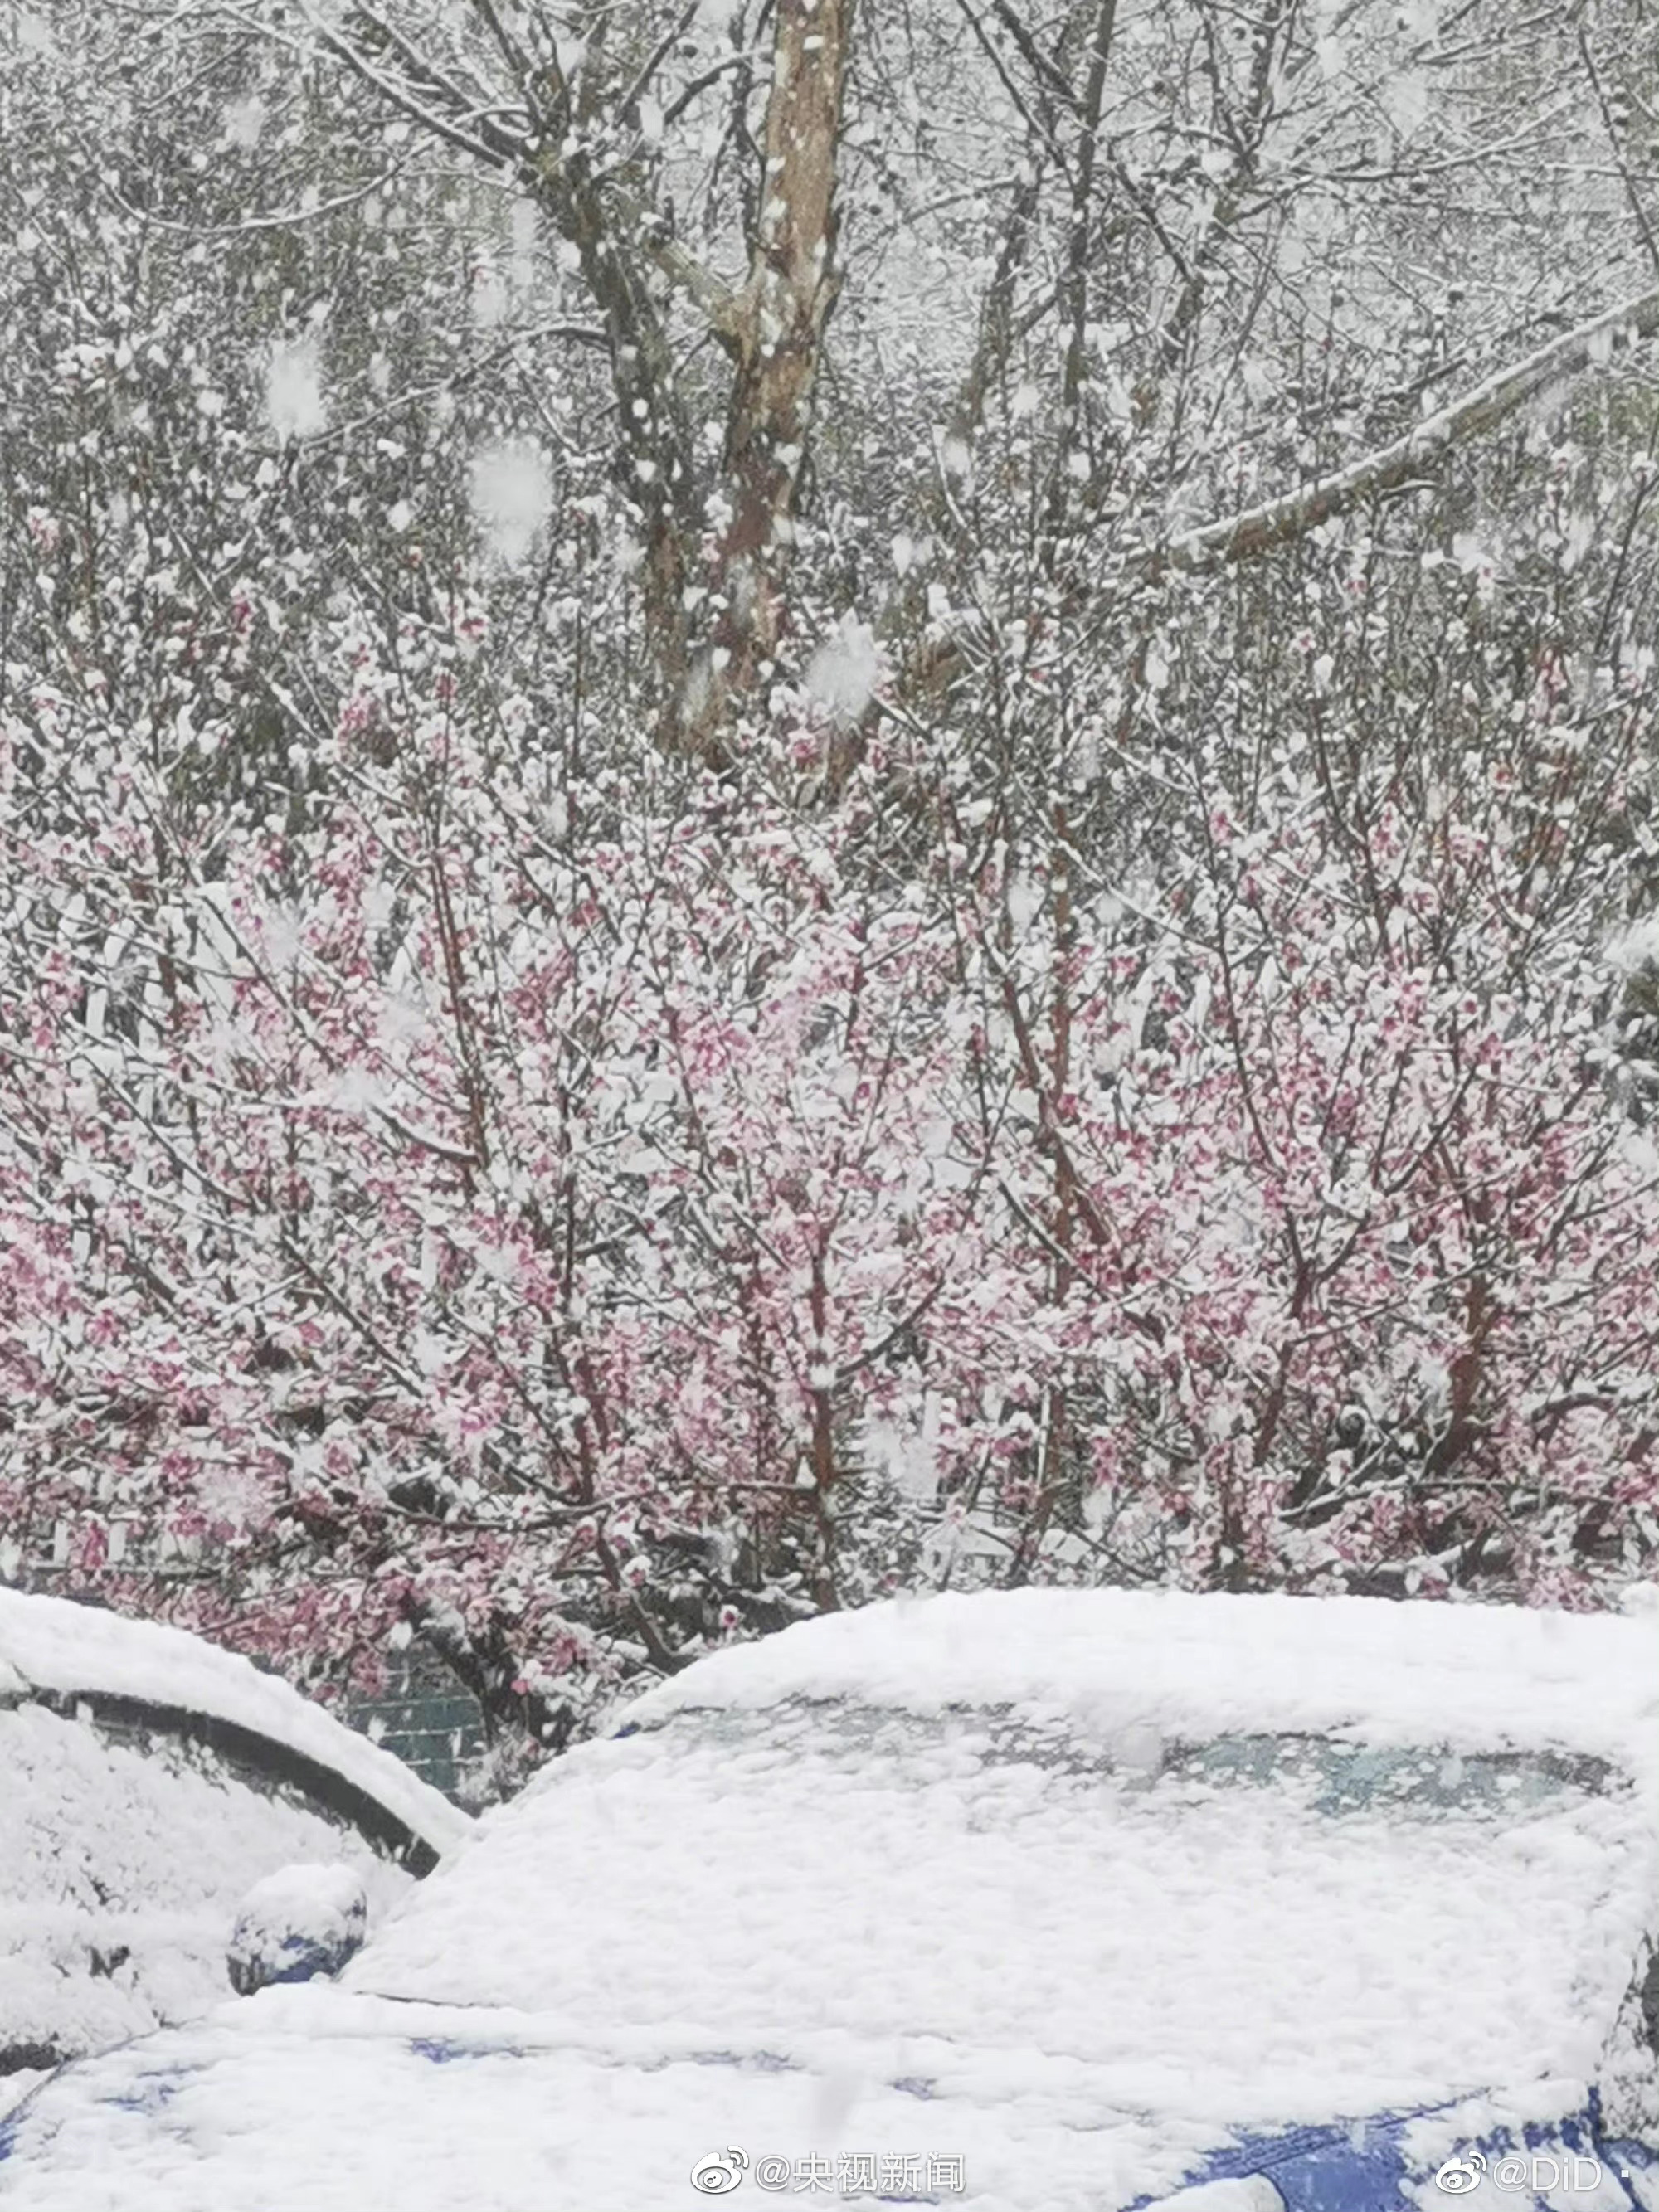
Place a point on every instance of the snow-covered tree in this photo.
(669, 960)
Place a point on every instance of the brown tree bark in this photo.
(779, 327)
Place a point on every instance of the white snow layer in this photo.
(121, 1870)
(1377, 1671)
(309, 1916)
(54, 1644)
(969, 1909)
(308, 2100)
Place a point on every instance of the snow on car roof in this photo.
(65, 1650)
(1377, 1670)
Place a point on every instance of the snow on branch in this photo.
(416, 87)
(1258, 529)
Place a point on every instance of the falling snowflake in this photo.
(244, 121)
(843, 674)
(510, 490)
(294, 405)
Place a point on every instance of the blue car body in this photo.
(1366, 2166)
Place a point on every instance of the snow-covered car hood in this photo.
(317, 2098)
(314, 2100)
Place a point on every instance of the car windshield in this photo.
(1321, 1774)
(1189, 1920)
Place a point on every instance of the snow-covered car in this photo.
(1044, 1901)
(147, 1780)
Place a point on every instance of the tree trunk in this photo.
(785, 308)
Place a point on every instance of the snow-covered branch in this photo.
(1258, 529)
